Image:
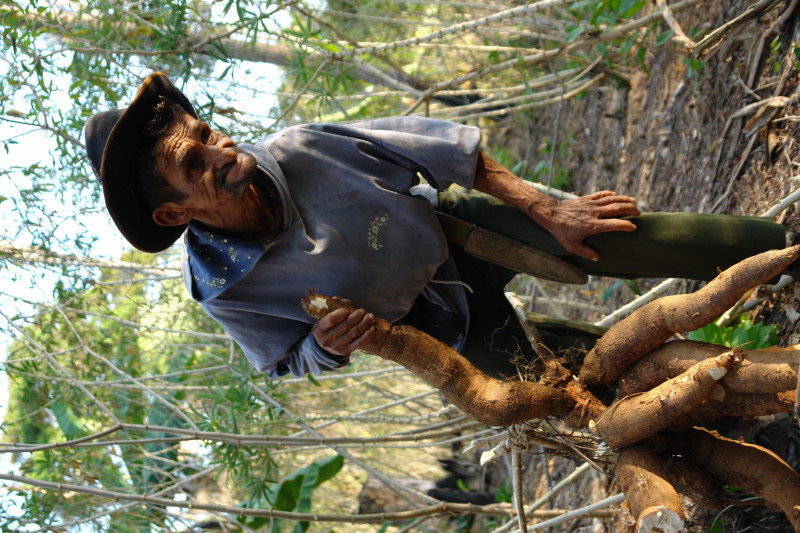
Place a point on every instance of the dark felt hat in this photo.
(112, 138)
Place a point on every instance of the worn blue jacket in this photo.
(355, 225)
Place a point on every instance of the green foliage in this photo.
(593, 16)
(294, 492)
(505, 494)
(745, 335)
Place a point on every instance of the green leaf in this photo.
(574, 32)
(664, 37)
(286, 495)
(66, 419)
(628, 8)
(746, 335)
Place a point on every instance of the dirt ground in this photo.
(721, 140)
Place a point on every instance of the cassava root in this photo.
(698, 485)
(738, 464)
(652, 500)
(487, 400)
(720, 403)
(766, 370)
(674, 394)
(639, 416)
(650, 326)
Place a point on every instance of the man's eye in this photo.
(193, 166)
(205, 134)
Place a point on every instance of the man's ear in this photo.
(172, 214)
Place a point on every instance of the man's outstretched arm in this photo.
(569, 221)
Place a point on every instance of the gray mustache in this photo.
(222, 173)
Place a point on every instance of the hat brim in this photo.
(119, 169)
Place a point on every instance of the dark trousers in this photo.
(665, 245)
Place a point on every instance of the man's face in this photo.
(203, 164)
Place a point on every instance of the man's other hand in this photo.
(342, 331)
(571, 221)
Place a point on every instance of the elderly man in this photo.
(340, 208)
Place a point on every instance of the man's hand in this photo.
(571, 221)
(341, 332)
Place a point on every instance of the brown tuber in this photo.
(671, 388)
(651, 498)
(766, 370)
(698, 485)
(637, 417)
(747, 466)
(649, 327)
(487, 400)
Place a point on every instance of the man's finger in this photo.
(618, 210)
(332, 319)
(362, 339)
(611, 196)
(355, 325)
(614, 224)
(342, 333)
(584, 251)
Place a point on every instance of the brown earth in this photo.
(680, 139)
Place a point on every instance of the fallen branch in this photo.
(583, 512)
(438, 509)
(519, 493)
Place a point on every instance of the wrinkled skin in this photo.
(568, 221)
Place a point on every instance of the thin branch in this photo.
(576, 89)
(62, 370)
(583, 512)
(641, 301)
(516, 480)
(715, 37)
(301, 92)
(561, 485)
(438, 509)
(521, 312)
(456, 28)
(527, 61)
(235, 439)
(396, 487)
(678, 35)
(20, 253)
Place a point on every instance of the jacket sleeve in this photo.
(443, 152)
(277, 346)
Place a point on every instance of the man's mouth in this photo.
(222, 174)
(244, 169)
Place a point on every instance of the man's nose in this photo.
(217, 157)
